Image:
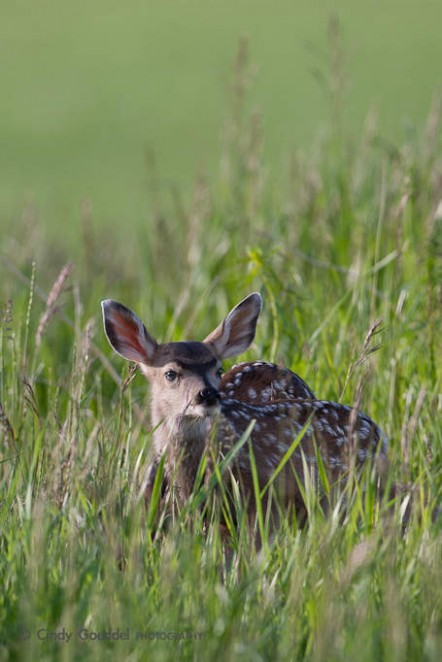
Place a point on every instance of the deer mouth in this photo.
(203, 409)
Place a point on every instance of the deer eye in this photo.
(171, 375)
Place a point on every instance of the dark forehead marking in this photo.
(186, 353)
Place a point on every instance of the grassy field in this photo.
(90, 90)
(360, 240)
(350, 234)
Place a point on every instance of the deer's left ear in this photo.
(235, 334)
(126, 333)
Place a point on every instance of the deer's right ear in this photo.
(236, 332)
(126, 333)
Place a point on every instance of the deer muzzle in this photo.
(208, 397)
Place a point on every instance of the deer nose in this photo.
(208, 396)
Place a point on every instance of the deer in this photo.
(195, 409)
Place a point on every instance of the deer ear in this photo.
(126, 333)
(235, 334)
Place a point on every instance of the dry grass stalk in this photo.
(51, 303)
(5, 425)
(29, 397)
(65, 479)
(6, 317)
(82, 360)
(367, 348)
(409, 426)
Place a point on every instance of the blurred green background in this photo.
(93, 91)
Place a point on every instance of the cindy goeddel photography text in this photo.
(65, 635)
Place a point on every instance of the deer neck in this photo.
(183, 439)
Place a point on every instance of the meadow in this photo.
(346, 233)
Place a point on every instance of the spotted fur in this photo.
(260, 383)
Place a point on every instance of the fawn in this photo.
(194, 408)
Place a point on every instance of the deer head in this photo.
(184, 376)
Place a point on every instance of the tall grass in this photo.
(350, 245)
